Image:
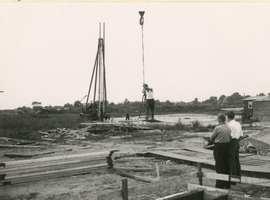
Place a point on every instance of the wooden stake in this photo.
(124, 189)
(200, 174)
(157, 169)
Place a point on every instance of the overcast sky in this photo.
(191, 50)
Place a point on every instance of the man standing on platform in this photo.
(149, 101)
(221, 138)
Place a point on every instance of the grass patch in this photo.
(27, 126)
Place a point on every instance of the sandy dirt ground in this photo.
(88, 186)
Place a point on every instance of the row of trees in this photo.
(211, 105)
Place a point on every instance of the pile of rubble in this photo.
(65, 133)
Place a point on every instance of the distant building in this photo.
(257, 107)
(261, 109)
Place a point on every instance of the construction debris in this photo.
(64, 133)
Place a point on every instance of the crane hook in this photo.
(141, 19)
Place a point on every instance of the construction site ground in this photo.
(89, 186)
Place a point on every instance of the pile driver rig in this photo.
(96, 109)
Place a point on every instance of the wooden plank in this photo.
(98, 123)
(52, 167)
(244, 179)
(177, 156)
(241, 197)
(134, 169)
(255, 169)
(52, 174)
(222, 197)
(18, 146)
(139, 178)
(49, 164)
(26, 155)
(54, 171)
(151, 120)
(128, 159)
(187, 195)
(52, 163)
(20, 162)
(210, 192)
(207, 151)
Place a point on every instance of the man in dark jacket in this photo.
(221, 138)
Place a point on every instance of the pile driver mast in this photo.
(96, 109)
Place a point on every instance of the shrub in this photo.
(179, 123)
(196, 124)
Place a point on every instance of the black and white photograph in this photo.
(134, 100)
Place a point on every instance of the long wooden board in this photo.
(49, 159)
(151, 120)
(243, 179)
(35, 169)
(207, 151)
(51, 163)
(257, 171)
(51, 174)
(187, 195)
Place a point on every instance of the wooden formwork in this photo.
(251, 165)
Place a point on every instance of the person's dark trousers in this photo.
(150, 106)
(222, 160)
(234, 159)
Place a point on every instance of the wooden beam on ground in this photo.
(51, 174)
(18, 146)
(49, 159)
(51, 163)
(128, 159)
(187, 195)
(134, 169)
(27, 155)
(210, 192)
(201, 150)
(242, 179)
(48, 163)
(50, 166)
(178, 157)
(98, 123)
(139, 178)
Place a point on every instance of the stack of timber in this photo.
(52, 167)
